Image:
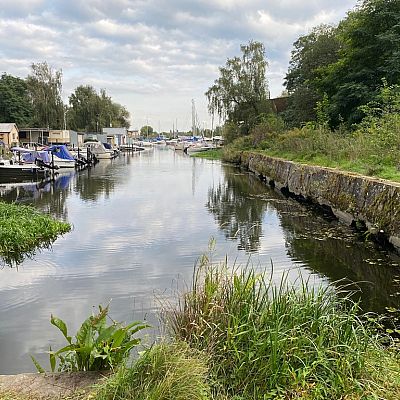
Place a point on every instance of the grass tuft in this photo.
(23, 230)
(167, 371)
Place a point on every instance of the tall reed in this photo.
(266, 340)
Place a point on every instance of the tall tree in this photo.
(45, 86)
(90, 111)
(240, 93)
(15, 105)
(370, 38)
(311, 53)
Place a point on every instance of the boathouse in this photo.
(9, 134)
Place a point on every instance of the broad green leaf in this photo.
(60, 324)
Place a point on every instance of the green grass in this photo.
(167, 371)
(366, 152)
(23, 230)
(285, 342)
(214, 154)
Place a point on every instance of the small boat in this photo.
(197, 148)
(12, 170)
(61, 157)
(98, 150)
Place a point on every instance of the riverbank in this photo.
(355, 199)
(23, 230)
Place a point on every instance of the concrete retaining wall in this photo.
(352, 197)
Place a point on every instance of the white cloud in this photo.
(158, 52)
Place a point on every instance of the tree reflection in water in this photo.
(237, 208)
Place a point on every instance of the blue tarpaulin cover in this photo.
(61, 151)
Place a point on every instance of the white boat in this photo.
(197, 148)
(98, 150)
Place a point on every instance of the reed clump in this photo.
(23, 230)
(286, 341)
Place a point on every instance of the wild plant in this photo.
(96, 346)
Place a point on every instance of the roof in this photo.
(7, 127)
(115, 131)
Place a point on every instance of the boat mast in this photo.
(193, 118)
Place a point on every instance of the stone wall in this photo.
(351, 197)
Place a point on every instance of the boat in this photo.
(12, 170)
(61, 157)
(98, 150)
(54, 157)
(197, 148)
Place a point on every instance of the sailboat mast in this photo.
(193, 118)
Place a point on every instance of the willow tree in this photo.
(240, 93)
(45, 87)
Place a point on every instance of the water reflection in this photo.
(237, 209)
(140, 222)
(314, 240)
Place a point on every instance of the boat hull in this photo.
(16, 172)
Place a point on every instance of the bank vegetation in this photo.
(24, 230)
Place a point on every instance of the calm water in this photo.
(139, 224)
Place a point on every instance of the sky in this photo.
(155, 56)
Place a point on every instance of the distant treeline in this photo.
(36, 101)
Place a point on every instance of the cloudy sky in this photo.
(154, 56)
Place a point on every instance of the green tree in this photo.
(311, 53)
(91, 111)
(15, 105)
(146, 130)
(240, 94)
(370, 52)
(45, 86)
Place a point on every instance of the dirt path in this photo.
(68, 385)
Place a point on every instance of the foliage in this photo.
(146, 130)
(15, 105)
(23, 229)
(97, 347)
(311, 53)
(163, 372)
(240, 93)
(370, 46)
(45, 87)
(90, 111)
(284, 340)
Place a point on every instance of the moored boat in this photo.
(11, 170)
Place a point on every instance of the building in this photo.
(31, 136)
(116, 136)
(9, 134)
(66, 136)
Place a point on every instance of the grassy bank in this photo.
(215, 154)
(23, 230)
(359, 152)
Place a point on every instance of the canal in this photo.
(141, 221)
